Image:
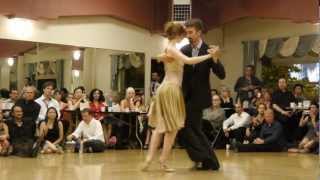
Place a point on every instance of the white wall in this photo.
(231, 36)
(96, 32)
(107, 33)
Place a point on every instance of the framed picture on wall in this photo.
(43, 71)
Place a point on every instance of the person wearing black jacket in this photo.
(246, 84)
(30, 108)
(196, 90)
(22, 134)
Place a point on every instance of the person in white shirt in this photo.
(235, 125)
(46, 101)
(154, 83)
(89, 133)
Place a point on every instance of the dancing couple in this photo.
(183, 94)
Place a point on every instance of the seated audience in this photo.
(51, 132)
(79, 97)
(4, 137)
(138, 104)
(257, 95)
(4, 94)
(97, 107)
(74, 103)
(31, 109)
(13, 96)
(22, 134)
(46, 101)
(310, 120)
(253, 131)
(8, 103)
(65, 116)
(127, 104)
(88, 134)
(214, 92)
(214, 114)
(213, 119)
(155, 83)
(235, 126)
(271, 137)
(227, 101)
(97, 104)
(59, 98)
(281, 100)
(64, 95)
(266, 99)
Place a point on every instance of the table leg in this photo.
(137, 132)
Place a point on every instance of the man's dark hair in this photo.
(13, 89)
(29, 83)
(196, 23)
(298, 85)
(250, 66)
(47, 84)
(101, 98)
(86, 110)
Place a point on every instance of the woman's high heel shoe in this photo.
(165, 168)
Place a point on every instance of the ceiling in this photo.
(152, 14)
(10, 48)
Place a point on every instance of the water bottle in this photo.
(110, 102)
(81, 148)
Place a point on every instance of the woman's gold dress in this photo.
(167, 112)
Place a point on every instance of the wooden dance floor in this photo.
(124, 164)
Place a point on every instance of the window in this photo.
(181, 10)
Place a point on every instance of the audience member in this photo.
(155, 83)
(46, 101)
(235, 126)
(4, 137)
(31, 109)
(253, 131)
(22, 134)
(310, 120)
(271, 137)
(51, 132)
(227, 101)
(246, 84)
(127, 104)
(89, 134)
(281, 100)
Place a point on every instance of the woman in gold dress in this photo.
(167, 112)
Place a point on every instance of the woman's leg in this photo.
(154, 144)
(105, 131)
(42, 131)
(51, 147)
(308, 146)
(169, 139)
(108, 132)
(303, 142)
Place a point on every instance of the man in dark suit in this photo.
(196, 89)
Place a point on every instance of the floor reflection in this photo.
(125, 165)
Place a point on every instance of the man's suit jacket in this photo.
(195, 85)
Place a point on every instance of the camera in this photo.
(306, 112)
